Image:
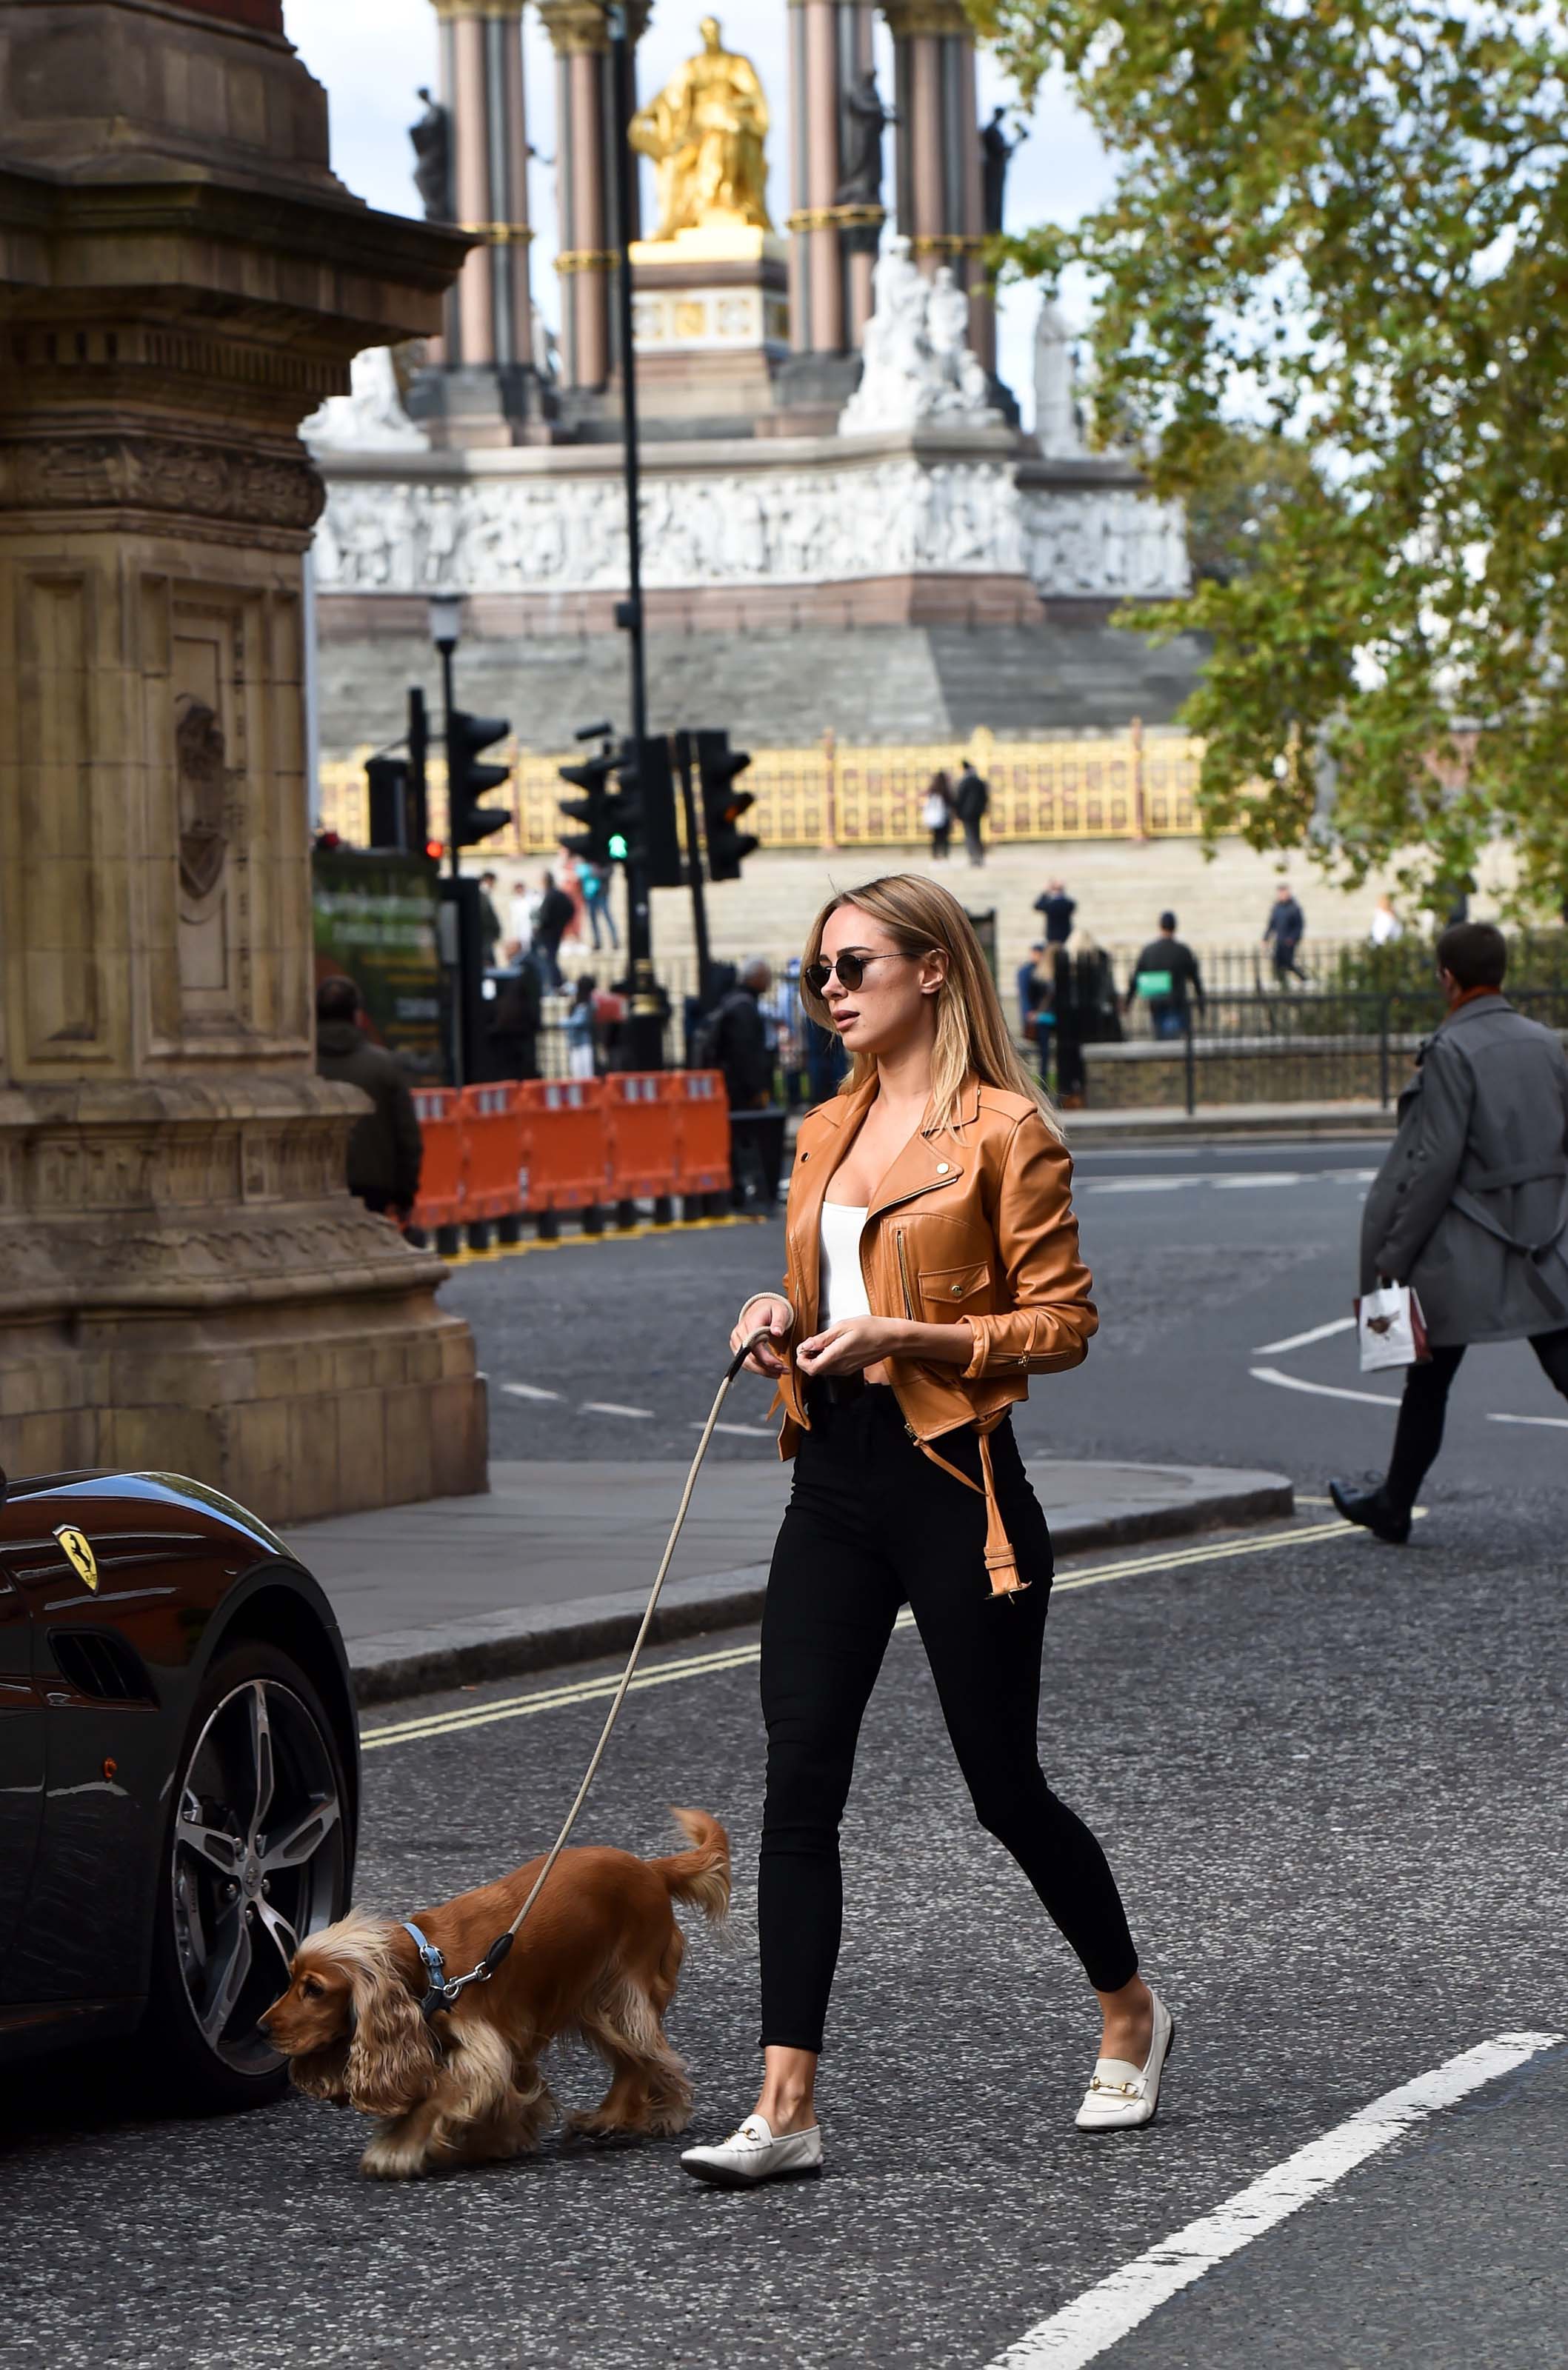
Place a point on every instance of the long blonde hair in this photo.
(973, 1037)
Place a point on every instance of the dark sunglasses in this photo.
(851, 970)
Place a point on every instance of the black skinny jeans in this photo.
(1419, 1432)
(870, 1523)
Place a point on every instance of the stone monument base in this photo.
(710, 321)
(185, 1287)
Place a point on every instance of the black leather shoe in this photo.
(1373, 1511)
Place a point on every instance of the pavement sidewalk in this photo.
(554, 1564)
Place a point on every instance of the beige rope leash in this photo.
(444, 1995)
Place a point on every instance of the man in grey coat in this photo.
(1471, 1206)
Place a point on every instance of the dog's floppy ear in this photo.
(324, 2072)
(392, 2061)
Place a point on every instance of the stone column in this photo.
(488, 391)
(831, 244)
(938, 150)
(184, 1281)
(585, 185)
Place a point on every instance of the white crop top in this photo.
(842, 1291)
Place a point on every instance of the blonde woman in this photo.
(933, 1267)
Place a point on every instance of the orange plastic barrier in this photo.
(492, 1126)
(702, 1128)
(565, 1150)
(443, 1172)
(641, 1121)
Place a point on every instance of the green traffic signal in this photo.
(617, 848)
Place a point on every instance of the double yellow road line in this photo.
(732, 1658)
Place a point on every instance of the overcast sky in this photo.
(373, 54)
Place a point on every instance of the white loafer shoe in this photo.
(752, 2155)
(1123, 2097)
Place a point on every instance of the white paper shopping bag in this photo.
(1390, 1328)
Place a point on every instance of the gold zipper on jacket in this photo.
(904, 1275)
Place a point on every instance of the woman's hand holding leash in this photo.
(769, 1310)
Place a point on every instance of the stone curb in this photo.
(507, 1645)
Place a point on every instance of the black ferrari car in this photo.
(178, 1773)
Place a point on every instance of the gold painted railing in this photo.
(1133, 785)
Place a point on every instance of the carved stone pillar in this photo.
(584, 185)
(939, 185)
(184, 1281)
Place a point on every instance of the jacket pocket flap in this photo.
(949, 1284)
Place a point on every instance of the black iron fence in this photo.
(1347, 1047)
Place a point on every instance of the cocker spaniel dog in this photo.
(596, 1961)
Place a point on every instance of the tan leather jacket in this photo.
(974, 1221)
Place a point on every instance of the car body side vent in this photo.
(100, 1662)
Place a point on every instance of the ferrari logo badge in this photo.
(79, 1554)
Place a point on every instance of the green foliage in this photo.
(1341, 227)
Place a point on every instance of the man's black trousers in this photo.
(1419, 1432)
(871, 1525)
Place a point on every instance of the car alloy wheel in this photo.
(259, 1859)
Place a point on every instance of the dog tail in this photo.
(702, 1874)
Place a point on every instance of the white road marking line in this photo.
(744, 1431)
(528, 1391)
(1319, 1390)
(1556, 1423)
(1299, 1341)
(1258, 1177)
(729, 1658)
(608, 1407)
(1140, 1184)
(1106, 2313)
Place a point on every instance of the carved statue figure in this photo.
(203, 787)
(431, 136)
(861, 185)
(996, 150)
(1059, 423)
(705, 133)
(918, 365)
(371, 415)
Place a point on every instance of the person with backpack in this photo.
(1084, 1002)
(1164, 975)
(595, 889)
(970, 800)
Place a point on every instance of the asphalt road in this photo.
(1205, 1258)
(1330, 1778)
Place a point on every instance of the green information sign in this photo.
(375, 921)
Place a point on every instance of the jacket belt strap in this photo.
(1523, 1172)
(1001, 1565)
(1531, 1253)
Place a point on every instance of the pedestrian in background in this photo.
(1036, 996)
(784, 1015)
(1165, 975)
(511, 1045)
(933, 1267)
(1058, 909)
(580, 1047)
(1083, 998)
(569, 881)
(970, 800)
(549, 926)
(935, 815)
(490, 920)
(1286, 927)
(1386, 925)
(1470, 1207)
(385, 1149)
(596, 887)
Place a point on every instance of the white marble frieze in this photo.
(898, 515)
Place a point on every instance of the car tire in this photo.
(260, 1745)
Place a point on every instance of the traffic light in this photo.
(643, 813)
(386, 780)
(468, 780)
(593, 809)
(723, 805)
(419, 841)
